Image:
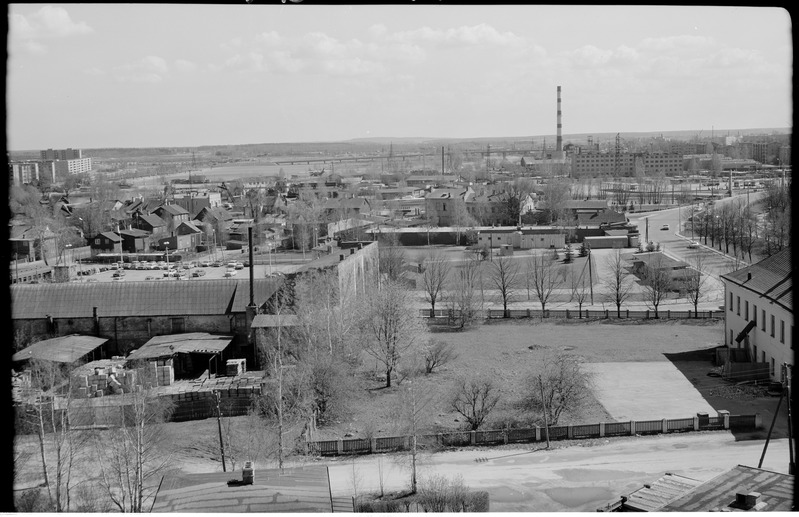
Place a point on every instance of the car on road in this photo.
(238, 265)
(664, 227)
(693, 245)
(118, 274)
(230, 272)
(216, 264)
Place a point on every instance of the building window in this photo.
(763, 320)
(731, 339)
(754, 355)
(730, 302)
(772, 325)
(782, 331)
(754, 314)
(772, 367)
(738, 305)
(746, 309)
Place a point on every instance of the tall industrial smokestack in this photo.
(559, 143)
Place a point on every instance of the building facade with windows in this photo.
(759, 312)
(603, 164)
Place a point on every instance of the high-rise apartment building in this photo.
(62, 154)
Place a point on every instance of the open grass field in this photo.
(508, 351)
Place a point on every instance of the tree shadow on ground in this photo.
(725, 395)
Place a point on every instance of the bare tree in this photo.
(435, 272)
(656, 280)
(411, 414)
(437, 354)
(696, 282)
(390, 325)
(474, 398)
(134, 455)
(559, 385)
(580, 288)
(462, 298)
(504, 274)
(391, 256)
(543, 275)
(617, 283)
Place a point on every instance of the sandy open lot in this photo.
(646, 391)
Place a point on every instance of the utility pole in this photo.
(219, 424)
(590, 275)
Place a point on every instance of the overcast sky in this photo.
(90, 76)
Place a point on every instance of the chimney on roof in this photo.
(248, 473)
(748, 276)
(746, 500)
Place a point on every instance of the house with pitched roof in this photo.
(758, 315)
(106, 242)
(172, 215)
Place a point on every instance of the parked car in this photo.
(230, 272)
(216, 264)
(231, 264)
(238, 265)
(152, 265)
(118, 278)
(664, 227)
(693, 245)
(198, 273)
(118, 274)
(205, 263)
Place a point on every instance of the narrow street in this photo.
(577, 478)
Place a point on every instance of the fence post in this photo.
(665, 427)
(373, 445)
(632, 427)
(538, 433)
(570, 431)
(628, 314)
(340, 446)
(723, 413)
(668, 314)
(528, 313)
(567, 313)
(606, 314)
(696, 423)
(647, 314)
(407, 442)
(472, 437)
(601, 429)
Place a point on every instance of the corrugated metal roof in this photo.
(717, 494)
(299, 489)
(196, 297)
(64, 349)
(771, 278)
(190, 342)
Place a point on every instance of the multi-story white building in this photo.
(599, 164)
(759, 312)
(23, 173)
(73, 166)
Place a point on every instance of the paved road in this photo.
(572, 479)
(676, 245)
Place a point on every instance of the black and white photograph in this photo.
(295, 257)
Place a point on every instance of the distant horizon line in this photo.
(400, 139)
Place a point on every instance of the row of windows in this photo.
(772, 319)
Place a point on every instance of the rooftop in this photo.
(770, 278)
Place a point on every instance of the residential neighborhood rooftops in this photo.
(64, 349)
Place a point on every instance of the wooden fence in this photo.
(577, 314)
(701, 422)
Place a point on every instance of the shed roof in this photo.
(300, 489)
(64, 349)
(191, 342)
(652, 497)
(717, 494)
(195, 297)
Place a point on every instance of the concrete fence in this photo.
(576, 314)
(700, 422)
